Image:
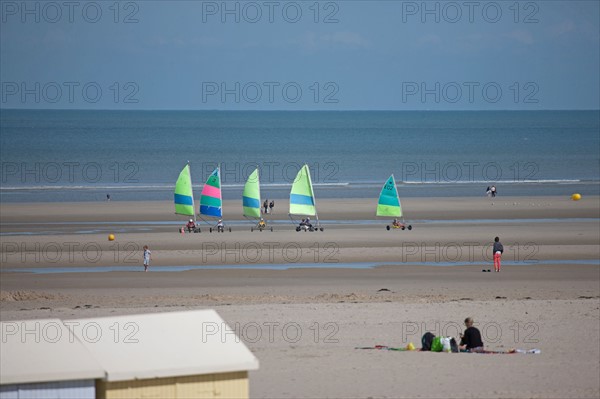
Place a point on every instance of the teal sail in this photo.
(389, 202)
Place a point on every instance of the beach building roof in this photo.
(43, 350)
(164, 345)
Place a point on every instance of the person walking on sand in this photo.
(271, 206)
(471, 339)
(147, 255)
(493, 191)
(497, 251)
(266, 206)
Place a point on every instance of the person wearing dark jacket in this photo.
(471, 339)
(497, 251)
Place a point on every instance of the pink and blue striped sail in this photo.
(211, 203)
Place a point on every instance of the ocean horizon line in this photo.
(303, 110)
(356, 184)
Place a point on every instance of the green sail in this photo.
(251, 196)
(389, 203)
(302, 198)
(184, 196)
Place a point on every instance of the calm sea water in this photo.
(84, 155)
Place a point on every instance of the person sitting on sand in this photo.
(190, 225)
(471, 339)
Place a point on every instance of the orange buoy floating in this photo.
(576, 197)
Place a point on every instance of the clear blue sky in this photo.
(302, 55)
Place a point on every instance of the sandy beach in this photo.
(117, 114)
(303, 302)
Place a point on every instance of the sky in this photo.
(300, 55)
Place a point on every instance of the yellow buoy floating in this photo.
(111, 237)
(576, 197)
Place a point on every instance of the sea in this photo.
(83, 155)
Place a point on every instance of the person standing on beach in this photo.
(271, 206)
(493, 190)
(471, 339)
(266, 206)
(497, 251)
(147, 255)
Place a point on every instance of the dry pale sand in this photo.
(304, 324)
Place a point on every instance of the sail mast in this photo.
(258, 186)
(312, 192)
(220, 190)
(192, 190)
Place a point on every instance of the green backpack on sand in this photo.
(436, 345)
